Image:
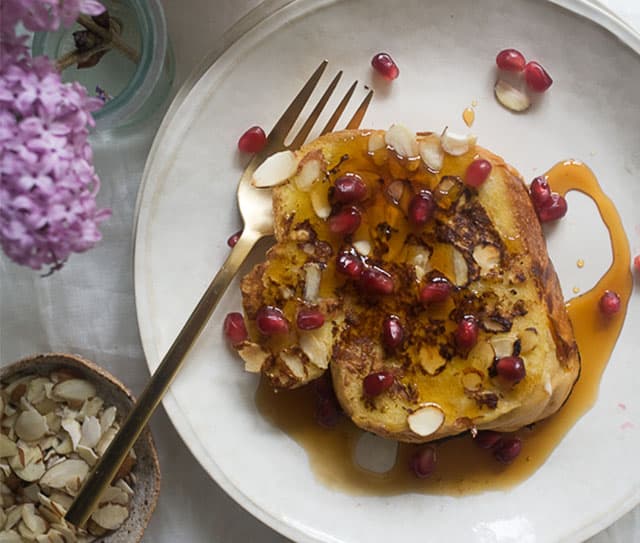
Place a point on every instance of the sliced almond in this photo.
(53, 421)
(376, 142)
(87, 455)
(528, 340)
(460, 268)
(426, 420)
(65, 446)
(91, 432)
(275, 170)
(28, 464)
(293, 361)
(14, 516)
(430, 363)
(107, 418)
(105, 441)
(110, 516)
(54, 536)
(510, 97)
(30, 492)
(92, 407)
(72, 427)
(456, 144)
(30, 425)
(74, 390)
(363, 247)
(36, 524)
(431, 152)
(36, 391)
(395, 190)
(24, 531)
(472, 379)
(309, 172)
(502, 345)
(65, 473)
(7, 447)
(419, 256)
(320, 202)
(402, 140)
(124, 486)
(487, 256)
(316, 344)
(312, 278)
(10, 536)
(61, 501)
(116, 495)
(254, 356)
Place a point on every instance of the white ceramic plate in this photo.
(445, 50)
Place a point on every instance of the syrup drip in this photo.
(462, 467)
(468, 116)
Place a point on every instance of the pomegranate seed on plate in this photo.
(511, 60)
(392, 332)
(253, 140)
(436, 291)
(488, 439)
(511, 369)
(376, 281)
(233, 239)
(421, 208)
(508, 450)
(270, 321)
(610, 303)
(537, 77)
(376, 383)
(309, 319)
(540, 192)
(327, 411)
(350, 264)
(385, 66)
(554, 209)
(477, 172)
(346, 221)
(466, 334)
(423, 462)
(349, 188)
(323, 386)
(636, 263)
(234, 328)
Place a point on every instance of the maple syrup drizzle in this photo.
(468, 116)
(462, 467)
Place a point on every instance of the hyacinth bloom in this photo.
(47, 180)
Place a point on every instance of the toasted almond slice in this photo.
(254, 356)
(402, 140)
(487, 256)
(363, 246)
(431, 152)
(528, 340)
(110, 516)
(460, 268)
(456, 144)
(65, 473)
(431, 364)
(395, 190)
(116, 495)
(74, 390)
(124, 486)
(472, 379)
(107, 418)
(7, 447)
(87, 455)
(275, 170)
(294, 363)
(105, 440)
(316, 345)
(426, 420)
(91, 432)
(72, 427)
(510, 97)
(376, 142)
(28, 463)
(36, 524)
(312, 278)
(320, 202)
(309, 172)
(60, 501)
(30, 425)
(502, 345)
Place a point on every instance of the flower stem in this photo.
(110, 37)
(75, 57)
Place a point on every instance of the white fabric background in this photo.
(88, 308)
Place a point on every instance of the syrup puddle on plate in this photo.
(462, 467)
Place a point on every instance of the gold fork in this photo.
(256, 210)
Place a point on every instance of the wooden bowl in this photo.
(113, 392)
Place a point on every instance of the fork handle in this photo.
(109, 464)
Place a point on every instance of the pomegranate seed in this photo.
(488, 439)
(510, 60)
(327, 411)
(436, 291)
(231, 242)
(423, 462)
(309, 319)
(537, 77)
(540, 192)
(508, 450)
(376, 383)
(346, 221)
(421, 208)
(636, 263)
(350, 264)
(323, 386)
(270, 321)
(554, 209)
(385, 66)
(376, 281)
(234, 328)
(466, 334)
(392, 332)
(609, 303)
(477, 172)
(511, 369)
(349, 188)
(253, 140)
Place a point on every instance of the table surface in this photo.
(88, 308)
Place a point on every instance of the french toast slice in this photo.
(484, 242)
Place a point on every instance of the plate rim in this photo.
(592, 10)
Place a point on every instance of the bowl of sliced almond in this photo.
(58, 414)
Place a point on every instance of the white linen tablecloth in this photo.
(88, 308)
